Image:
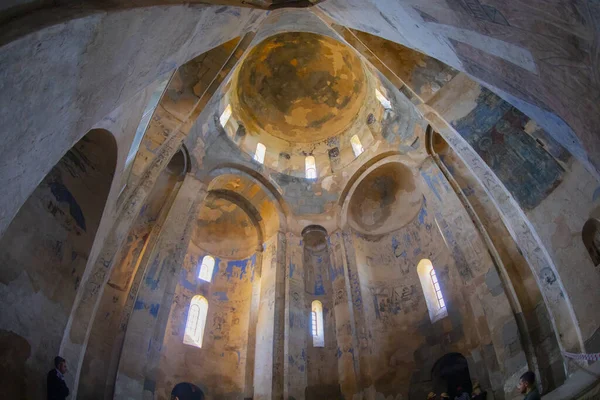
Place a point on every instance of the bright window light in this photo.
(196, 321)
(317, 324)
(438, 291)
(225, 116)
(206, 269)
(432, 290)
(384, 102)
(356, 146)
(259, 155)
(310, 167)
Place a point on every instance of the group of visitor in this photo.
(58, 390)
(526, 386)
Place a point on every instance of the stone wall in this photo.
(500, 215)
(321, 362)
(106, 338)
(43, 256)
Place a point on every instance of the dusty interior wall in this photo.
(321, 362)
(92, 65)
(480, 324)
(398, 129)
(559, 220)
(115, 54)
(138, 369)
(269, 362)
(499, 133)
(424, 75)
(347, 352)
(188, 86)
(297, 327)
(104, 345)
(224, 231)
(505, 45)
(532, 309)
(496, 130)
(125, 120)
(514, 147)
(219, 367)
(43, 255)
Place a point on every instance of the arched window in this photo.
(225, 116)
(316, 318)
(591, 239)
(196, 320)
(432, 290)
(384, 102)
(259, 155)
(356, 146)
(206, 269)
(436, 287)
(310, 167)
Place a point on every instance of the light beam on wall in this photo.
(259, 155)
(384, 102)
(225, 116)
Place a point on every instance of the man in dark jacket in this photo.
(527, 386)
(56, 386)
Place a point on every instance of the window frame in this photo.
(432, 290)
(207, 264)
(259, 153)
(317, 324)
(225, 116)
(310, 167)
(438, 290)
(357, 146)
(383, 100)
(195, 324)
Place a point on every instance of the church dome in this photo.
(300, 87)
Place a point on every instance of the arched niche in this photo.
(229, 229)
(322, 379)
(43, 256)
(382, 197)
(162, 192)
(117, 301)
(450, 372)
(590, 235)
(259, 191)
(186, 391)
(228, 226)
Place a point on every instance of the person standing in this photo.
(461, 394)
(431, 396)
(527, 386)
(477, 393)
(56, 387)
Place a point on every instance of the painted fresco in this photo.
(495, 129)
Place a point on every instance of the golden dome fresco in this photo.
(300, 87)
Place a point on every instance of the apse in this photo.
(334, 199)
